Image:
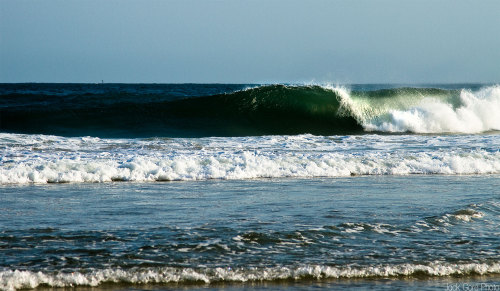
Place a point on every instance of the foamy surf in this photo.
(469, 112)
(15, 279)
(52, 159)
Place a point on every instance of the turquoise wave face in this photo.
(231, 110)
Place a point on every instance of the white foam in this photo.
(15, 279)
(49, 159)
(478, 112)
(467, 215)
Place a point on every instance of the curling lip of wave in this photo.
(469, 112)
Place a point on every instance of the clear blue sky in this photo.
(262, 41)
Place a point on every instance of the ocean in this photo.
(249, 186)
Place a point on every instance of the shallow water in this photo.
(372, 232)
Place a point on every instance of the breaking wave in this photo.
(15, 279)
(53, 159)
(462, 112)
(260, 110)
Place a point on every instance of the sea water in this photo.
(425, 231)
(296, 187)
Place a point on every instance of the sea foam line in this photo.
(15, 279)
(244, 165)
(53, 159)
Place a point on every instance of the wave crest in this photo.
(14, 279)
(469, 112)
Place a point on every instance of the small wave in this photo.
(467, 215)
(15, 279)
(441, 223)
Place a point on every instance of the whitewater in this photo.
(471, 112)
(52, 159)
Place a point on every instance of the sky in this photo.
(252, 41)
